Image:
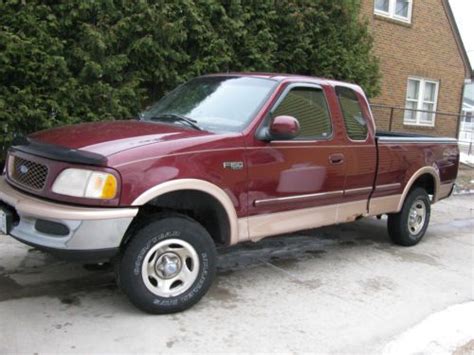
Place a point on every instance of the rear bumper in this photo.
(84, 233)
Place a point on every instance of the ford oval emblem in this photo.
(24, 169)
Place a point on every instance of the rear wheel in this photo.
(168, 265)
(408, 226)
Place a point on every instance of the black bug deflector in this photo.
(56, 152)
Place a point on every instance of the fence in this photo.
(435, 123)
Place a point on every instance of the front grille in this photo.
(27, 173)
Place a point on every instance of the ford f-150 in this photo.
(221, 160)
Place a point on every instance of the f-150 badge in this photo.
(234, 165)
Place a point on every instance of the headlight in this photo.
(86, 183)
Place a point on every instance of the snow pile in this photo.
(440, 333)
(467, 159)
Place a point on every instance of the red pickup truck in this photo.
(221, 160)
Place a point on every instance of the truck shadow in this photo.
(288, 249)
(40, 275)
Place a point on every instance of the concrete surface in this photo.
(338, 289)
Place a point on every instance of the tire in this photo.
(168, 265)
(408, 226)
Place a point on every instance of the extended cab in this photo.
(220, 160)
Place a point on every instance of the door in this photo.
(296, 184)
(360, 153)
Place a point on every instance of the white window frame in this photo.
(420, 101)
(466, 130)
(391, 11)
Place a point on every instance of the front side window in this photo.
(356, 124)
(308, 105)
(214, 103)
(421, 101)
(396, 9)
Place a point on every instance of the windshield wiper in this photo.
(176, 117)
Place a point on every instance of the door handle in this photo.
(336, 159)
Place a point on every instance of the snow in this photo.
(467, 159)
(440, 333)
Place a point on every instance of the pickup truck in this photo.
(223, 159)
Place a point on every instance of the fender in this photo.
(199, 185)
(425, 170)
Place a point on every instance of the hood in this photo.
(111, 137)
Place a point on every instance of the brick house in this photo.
(423, 65)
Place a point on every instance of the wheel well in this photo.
(425, 181)
(198, 205)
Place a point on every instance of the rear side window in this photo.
(356, 125)
(308, 106)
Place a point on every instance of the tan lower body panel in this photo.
(393, 203)
(267, 225)
(385, 204)
(445, 190)
(350, 211)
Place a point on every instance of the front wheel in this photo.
(408, 226)
(168, 265)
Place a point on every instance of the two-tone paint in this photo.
(264, 187)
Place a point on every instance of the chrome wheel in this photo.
(417, 217)
(170, 267)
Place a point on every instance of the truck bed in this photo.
(411, 137)
(404, 157)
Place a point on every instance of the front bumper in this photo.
(90, 233)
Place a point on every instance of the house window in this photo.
(395, 9)
(422, 94)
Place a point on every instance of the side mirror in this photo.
(284, 127)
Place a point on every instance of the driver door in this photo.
(297, 183)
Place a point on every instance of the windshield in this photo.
(215, 103)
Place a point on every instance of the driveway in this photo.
(343, 288)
